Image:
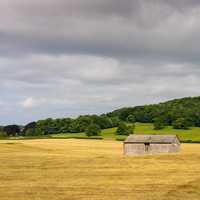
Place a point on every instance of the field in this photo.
(191, 135)
(58, 169)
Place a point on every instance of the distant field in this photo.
(191, 135)
(95, 169)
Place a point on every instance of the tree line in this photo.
(179, 113)
(49, 126)
(90, 124)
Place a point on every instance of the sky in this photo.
(64, 58)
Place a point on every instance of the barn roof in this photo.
(161, 139)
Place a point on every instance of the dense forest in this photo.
(179, 113)
(185, 110)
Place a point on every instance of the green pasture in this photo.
(191, 135)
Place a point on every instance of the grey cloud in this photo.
(152, 29)
(90, 56)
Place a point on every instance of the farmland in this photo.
(58, 169)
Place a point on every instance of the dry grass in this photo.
(85, 169)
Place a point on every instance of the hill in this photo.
(187, 108)
(179, 113)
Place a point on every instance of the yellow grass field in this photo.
(56, 169)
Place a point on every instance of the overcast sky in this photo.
(61, 58)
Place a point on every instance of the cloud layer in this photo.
(65, 58)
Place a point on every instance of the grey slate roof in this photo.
(161, 139)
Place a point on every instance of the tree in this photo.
(115, 121)
(82, 122)
(131, 119)
(158, 123)
(73, 128)
(30, 129)
(103, 121)
(130, 129)
(188, 108)
(12, 130)
(180, 123)
(93, 130)
(41, 125)
(123, 129)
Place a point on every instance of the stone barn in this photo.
(151, 144)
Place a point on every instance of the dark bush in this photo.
(12, 130)
(30, 129)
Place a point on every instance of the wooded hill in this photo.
(187, 109)
(180, 113)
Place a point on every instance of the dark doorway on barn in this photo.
(146, 146)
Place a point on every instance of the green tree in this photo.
(131, 119)
(103, 121)
(180, 123)
(93, 130)
(115, 121)
(188, 108)
(65, 125)
(82, 122)
(158, 123)
(29, 129)
(130, 129)
(123, 129)
(29, 132)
